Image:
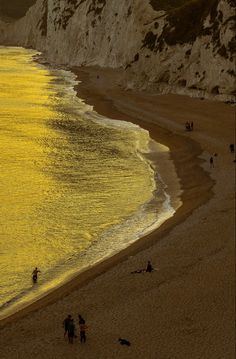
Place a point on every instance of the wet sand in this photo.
(185, 309)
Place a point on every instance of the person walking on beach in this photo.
(82, 329)
(187, 126)
(71, 331)
(66, 322)
(35, 274)
(231, 148)
(211, 162)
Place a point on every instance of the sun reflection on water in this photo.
(64, 178)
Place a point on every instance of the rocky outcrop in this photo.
(186, 48)
(15, 9)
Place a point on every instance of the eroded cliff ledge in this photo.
(178, 46)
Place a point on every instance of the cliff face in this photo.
(14, 8)
(180, 46)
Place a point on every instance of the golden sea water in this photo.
(74, 187)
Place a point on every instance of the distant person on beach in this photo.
(35, 274)
(149, 267)
(82, 330)
(187, 126)
(191, 126)
(211, 162)
(66, 322)
(81, 319)
(71, 331)
(231, 148)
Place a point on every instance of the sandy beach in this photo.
(184, 309)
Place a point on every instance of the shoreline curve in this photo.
(179, 146)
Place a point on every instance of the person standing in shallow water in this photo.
(35, 274)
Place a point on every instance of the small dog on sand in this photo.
(124, 342)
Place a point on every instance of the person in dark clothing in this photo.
(211, 162)
(82, 329)
(66, 324)
(149, 267)
(71, 331)
(231, 148)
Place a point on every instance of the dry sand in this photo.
(185, 309)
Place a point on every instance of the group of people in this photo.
(70, 329)
(189, 126)
(69, 323)
(211, 160)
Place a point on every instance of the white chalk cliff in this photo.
(188, 48)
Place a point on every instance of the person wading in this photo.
(35, 274)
